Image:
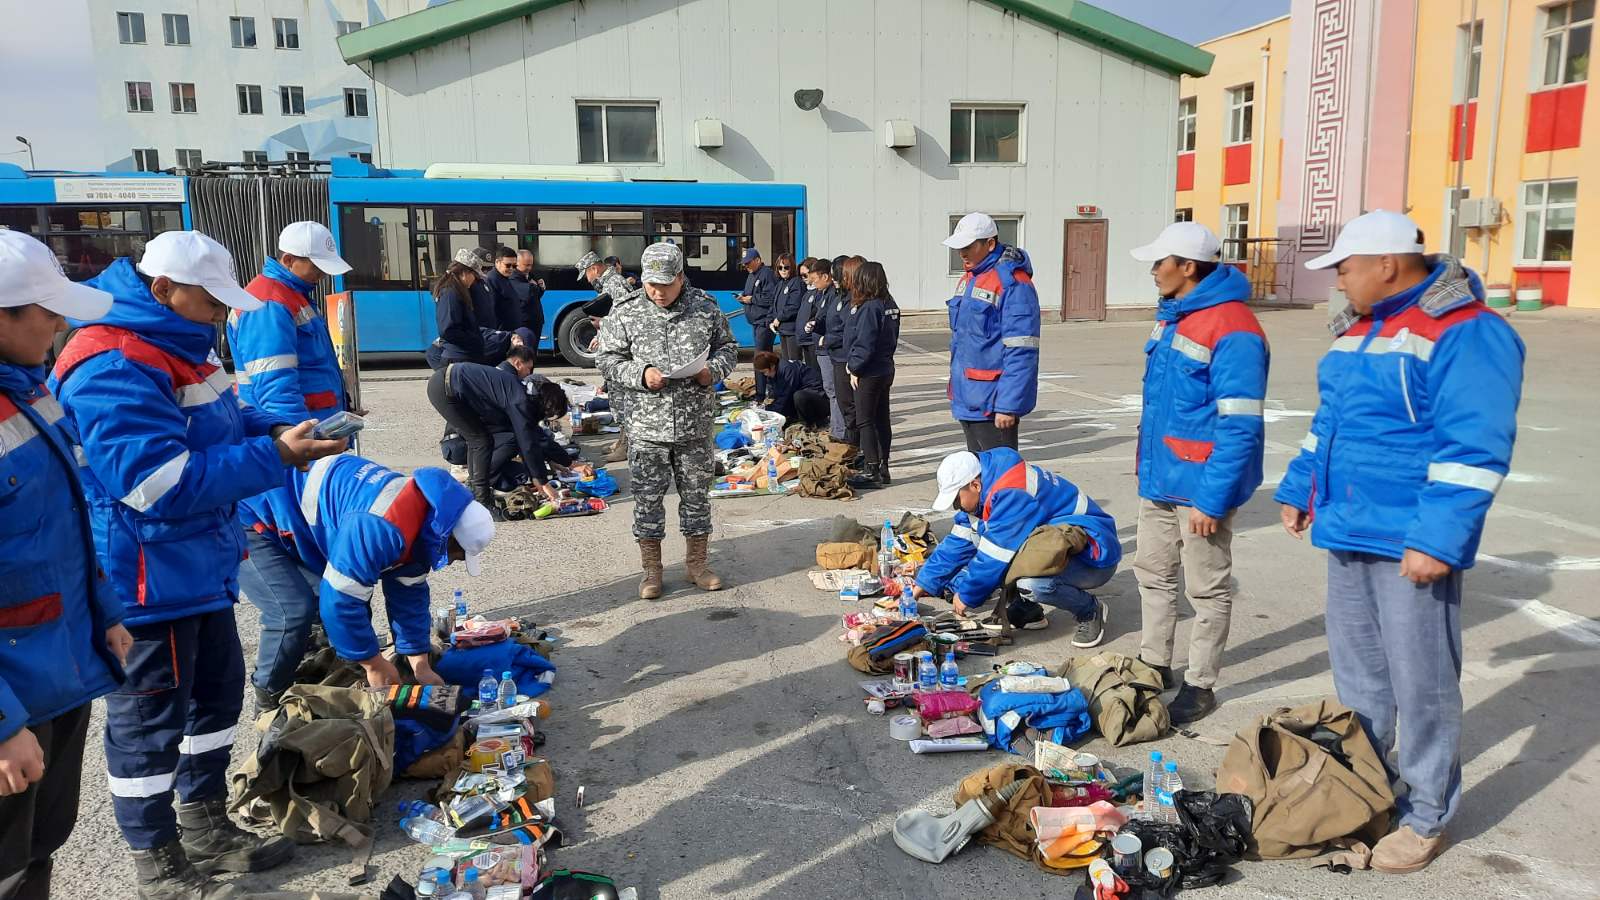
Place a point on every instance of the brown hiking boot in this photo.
(650, 559)
(1405, 851)
(695, 562)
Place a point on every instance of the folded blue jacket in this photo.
(464, 666)
(1064, 717)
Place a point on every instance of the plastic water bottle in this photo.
(886, 552)
(461, 614)
(927, 672)
(426, 831)
(949, 673)
(488, 690)
(507, 690)
(773, 484)
(908, 600)
(1152, 783)
(418, 809)
(470, 885)
(1171, 784)
(577, 419)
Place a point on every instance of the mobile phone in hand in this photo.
(341, 424)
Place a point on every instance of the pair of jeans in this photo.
(36, 822)
(845, 393)
(983, 435)
(1395, 650)
(480, 443)
(1068, 590)
(274, 582)
(838, 424)
(872, 417)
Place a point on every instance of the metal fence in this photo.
(1269, 264)
(246, 212)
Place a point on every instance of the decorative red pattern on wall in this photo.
(1236, 164)
(1555, 118)
(1455, 130)
(1554, 282)
(1185, 171)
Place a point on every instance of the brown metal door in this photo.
(1083, 285)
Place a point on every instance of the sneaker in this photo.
(1403, 851)
(1091, 631)
(1191, 705)
(1027, 615)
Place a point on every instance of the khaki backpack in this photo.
(1012, 829)
(1124, 696)
(1306, 797)
(825, 479)
(832, 555)
(326, 754)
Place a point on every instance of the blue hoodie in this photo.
(169, 452)
(994, 338)
(1201, 432)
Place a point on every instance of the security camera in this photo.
(808, 98)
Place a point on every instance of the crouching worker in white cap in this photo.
(1000, 500)
(65, 639)
(168, 452)
(328, 537)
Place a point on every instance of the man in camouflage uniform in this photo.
(654, 331)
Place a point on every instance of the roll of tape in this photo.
(905, 728)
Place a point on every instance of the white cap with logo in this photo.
(972, 227)
(956, 471)
(1185, 240)
(313, 241)
(189, 257)
(1378, 233)
(30, 273)
(473, 531)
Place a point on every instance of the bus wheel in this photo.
(576, 337)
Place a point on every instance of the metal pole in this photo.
(1261, 145)
(1461, 150)
(1494, 123)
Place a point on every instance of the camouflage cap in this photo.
(475, 258)
(587, 260)
(661, 263)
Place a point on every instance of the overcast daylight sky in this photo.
(47, 90)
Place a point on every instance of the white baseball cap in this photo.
(1377, 233)
(972, 227)
(473, 531)
(956, 471)
(189, 257)
(313, 241)
(30, 273)
(1185, 240)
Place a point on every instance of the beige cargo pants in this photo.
(1165, 542)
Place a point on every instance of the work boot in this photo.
(1403, 851)
(699, 569)
(867, 480)
(164, 873)
(650, 560)
(267, 701)
(213, 843)
(1164, 671)
(486, 497)
(883, 473)
(1191, 705)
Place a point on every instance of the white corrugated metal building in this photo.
(1052, 115)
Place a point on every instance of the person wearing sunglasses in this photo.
(791, 290)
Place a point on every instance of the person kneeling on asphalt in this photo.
(1000, 500)
(168, 451)
(63, 623)
(664, 326)
(794, 390)
(352, 523)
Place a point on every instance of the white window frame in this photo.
(1183, 214)
(1469, 61)
(972, 106)
(1542, 209)
(297, 156)
(1563, 35)
(344, 27)
(236, 34)
(169, 29)
(353, 94)
(143, 164)
(175, 93)
(361, 156)
(1241, 114)
(286, 92)
(254, 157)
(125, 27)
(192, 155)
(284, 32)
(1235, 252)
(1188, 123)
(139, 96)
(605, 138)
(246, 92)
(956, 268)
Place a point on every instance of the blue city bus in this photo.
(400, 228)
(91, 218)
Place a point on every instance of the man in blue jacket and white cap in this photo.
(63, 625)
(994, 336)
(1201, 442)
(1000, 500)
(168, 452)
(1411, 441)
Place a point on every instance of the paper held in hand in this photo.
(691, 369)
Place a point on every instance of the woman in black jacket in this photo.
(805, 335)
(463, 335)
(785, 310)
(836, 318)
(871, 337)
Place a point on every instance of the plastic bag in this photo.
(770, 421)
(1213, 834)
(603, 484)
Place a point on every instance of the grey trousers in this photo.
(1165, 544)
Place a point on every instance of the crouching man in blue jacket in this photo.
(344, 526)
(65, 640)
(169, 451)
(1412, 440)
(1000, 500)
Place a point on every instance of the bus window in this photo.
(773, 233)
(710, 241)
(484, 221)
(619, 233)
(94, 218)
(20, 218)
(165, 218)
(84, 255)
(377, 244)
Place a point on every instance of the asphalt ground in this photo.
(724, 747)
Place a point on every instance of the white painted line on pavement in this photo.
(1559, 564)
(1571, 626)
(1501, 509)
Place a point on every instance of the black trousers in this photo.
(872, 417)
(846, 395)
(480, 443)
(36, 822)
(764, 339)
(812, 408)
(984, 435)
(789, 346)
(808, 355)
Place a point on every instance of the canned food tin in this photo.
(903, 667)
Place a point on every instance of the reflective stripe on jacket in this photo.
(994, 338)
(283, 354)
